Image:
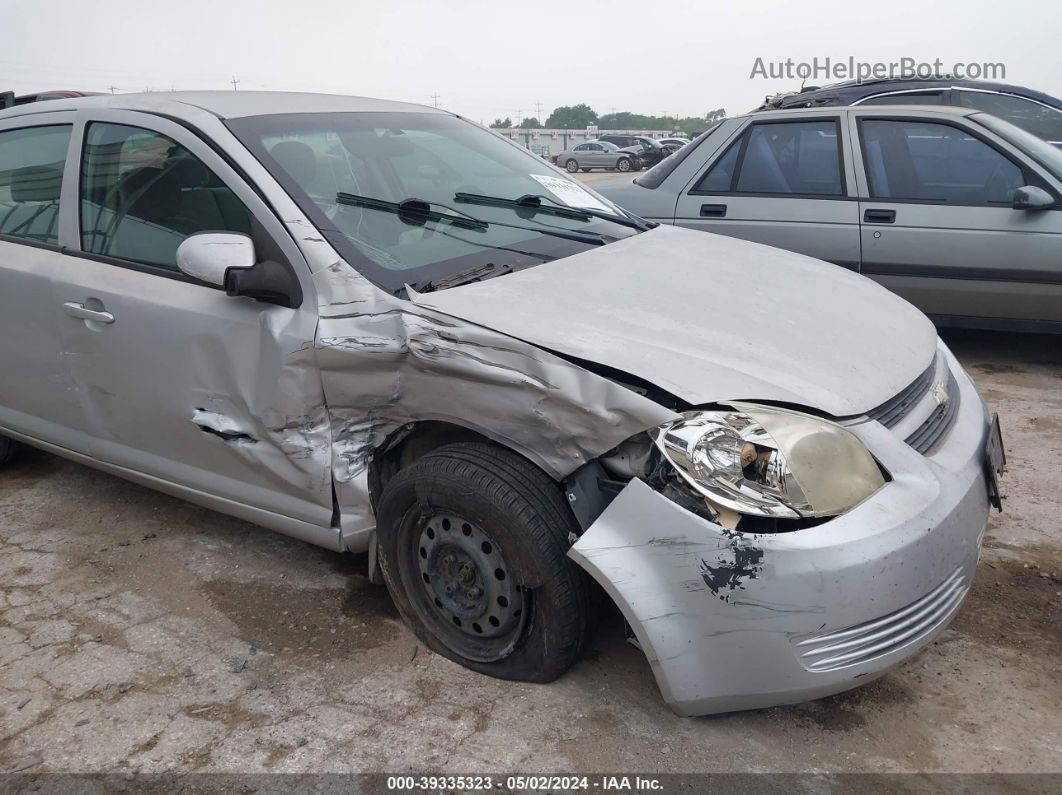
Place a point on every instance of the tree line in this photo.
(579, 117)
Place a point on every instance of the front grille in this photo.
(926, 436)
(895, 409)
(868, 641)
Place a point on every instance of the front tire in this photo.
(623, 164)
(473, 543)
(8, 449)
(571, 166)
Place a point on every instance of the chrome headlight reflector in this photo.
(767, 461)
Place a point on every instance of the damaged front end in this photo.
(386, 364)
(762, 557)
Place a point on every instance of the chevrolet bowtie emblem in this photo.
(940, 394)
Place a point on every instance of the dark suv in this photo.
(649, 152)
(1034, 111)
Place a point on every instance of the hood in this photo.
(711, 318)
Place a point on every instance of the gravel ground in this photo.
(142, 633)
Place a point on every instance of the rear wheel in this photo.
(8, 449)
(473, 542)
(571, 166)
(623, 164)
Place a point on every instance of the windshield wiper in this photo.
(413, 211)
(417, 211)
(533, 202)
(476, 274)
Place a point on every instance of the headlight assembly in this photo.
(766, 461)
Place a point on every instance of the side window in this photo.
(926, 161)
(720, 177)
(795, 158)
(581, 148)
(1040, 120)
(31, 174)
(792, 157)
(143, 193)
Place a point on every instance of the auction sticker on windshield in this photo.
(571, 193)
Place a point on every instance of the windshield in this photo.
(1048, 156)
(431, 157)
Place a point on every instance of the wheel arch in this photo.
(414, 440)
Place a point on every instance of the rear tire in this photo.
(8, 449)
(571, 166)
(473, 543)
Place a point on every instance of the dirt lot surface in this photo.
(141, 633)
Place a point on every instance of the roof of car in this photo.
(853, 90)
(225, 104)
(885, 110)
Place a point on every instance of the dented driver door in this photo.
(211, 397)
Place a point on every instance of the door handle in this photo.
(82, 312)
(713, 211)
(879, 216)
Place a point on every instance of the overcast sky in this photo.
(490, 59)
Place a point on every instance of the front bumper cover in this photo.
(740, 621)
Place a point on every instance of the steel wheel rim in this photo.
(464, 587)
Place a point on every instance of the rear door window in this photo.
(800, 158)
(31, 174)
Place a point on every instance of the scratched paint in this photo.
(737, 563)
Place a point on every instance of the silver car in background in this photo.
(596, 154)
(380, 328)
(957, 211)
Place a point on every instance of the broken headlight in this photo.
(766, 461)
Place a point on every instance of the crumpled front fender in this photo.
(386, 362)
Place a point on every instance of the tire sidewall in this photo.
(571, 166)
(623, 164)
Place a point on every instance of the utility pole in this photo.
(234, 81)
(435, 99)
(112, 88)
(519, 117)
(538, 111)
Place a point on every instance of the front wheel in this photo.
(571, 166)
(624, 164)
(473, 543)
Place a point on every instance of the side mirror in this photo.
(1030, 197)
(208, 256)
(227, 260)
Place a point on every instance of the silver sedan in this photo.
(596, 154)
(291, 308)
